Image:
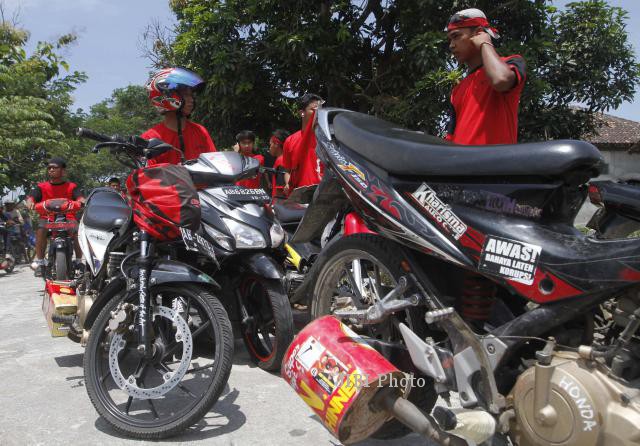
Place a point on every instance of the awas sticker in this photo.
(325, 368)
(510, 258)
(440, 211)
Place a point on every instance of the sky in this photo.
(109, 32)
(108, 49)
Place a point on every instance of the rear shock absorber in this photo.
(478, 297)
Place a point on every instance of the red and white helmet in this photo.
(163, 87)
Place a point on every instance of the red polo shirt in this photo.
(482, 115)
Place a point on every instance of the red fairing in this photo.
(353, 224)
(558, 288)
(57, 206)
(164, 199)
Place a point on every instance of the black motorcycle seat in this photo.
(404, 152)
(106, 210)
(288, 212)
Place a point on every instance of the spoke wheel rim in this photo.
(334, 285)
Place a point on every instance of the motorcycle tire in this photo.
(62, 265)
(372, 247)
(220, 355)
(270, 331)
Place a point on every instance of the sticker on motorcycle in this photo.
(355, 173)
(440, 211)
(510, 258)
(325, 368)
(195, 242)
(239, 193)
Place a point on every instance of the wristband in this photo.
(487, 43)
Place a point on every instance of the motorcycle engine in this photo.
(574, 401)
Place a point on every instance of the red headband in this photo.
(275, 140)
(469, 23)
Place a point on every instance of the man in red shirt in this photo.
(171, 92)
(246, 139)
(56, 187)
(276, 144)
(485, 103)
(299, 152)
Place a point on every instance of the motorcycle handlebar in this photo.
(90, 134)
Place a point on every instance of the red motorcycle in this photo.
(60, 226)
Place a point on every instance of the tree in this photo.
(34, 99)
(127, 112)
(390, 58)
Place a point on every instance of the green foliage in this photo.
(34, 98)
(391, 58)
(36, 121)
(126, 112)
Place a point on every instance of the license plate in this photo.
(195, 242)
(60, 226)
(239, 193)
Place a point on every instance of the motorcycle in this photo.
(159, 343)
(7, 263)
(477, 283)
(59, 228)
(247, 241)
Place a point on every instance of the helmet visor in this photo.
(180, 77)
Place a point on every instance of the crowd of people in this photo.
(484, 110)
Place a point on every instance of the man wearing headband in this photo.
(485, 103)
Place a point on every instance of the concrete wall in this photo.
(621, 163)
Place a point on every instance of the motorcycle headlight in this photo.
(277, 235)
(246, 236)
(220, 238)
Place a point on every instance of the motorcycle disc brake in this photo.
(171, 379)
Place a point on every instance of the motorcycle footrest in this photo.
(438, 315)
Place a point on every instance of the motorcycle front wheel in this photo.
(267, 326)
(161, 396)
(62, 265)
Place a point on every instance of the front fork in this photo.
(145, 261)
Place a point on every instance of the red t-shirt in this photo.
(196, 141)
(299, 157)
(290, 155)
(252, 183)
(483, 115)
(277, 181)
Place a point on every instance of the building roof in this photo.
(615, 133)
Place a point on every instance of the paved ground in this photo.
(43, 400)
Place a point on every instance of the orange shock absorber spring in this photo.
(478, 296)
